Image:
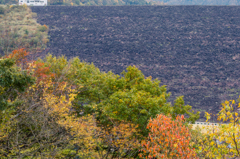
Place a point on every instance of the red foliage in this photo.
(42, 72)
(168, 138)
(20, 55)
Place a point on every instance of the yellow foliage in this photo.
(25, 5)
(83, 129)
(122, 136)
(222, 141)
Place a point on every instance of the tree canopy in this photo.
(13, 81)
(127, 97)
(72, 104)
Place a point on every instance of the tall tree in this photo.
(130, 97)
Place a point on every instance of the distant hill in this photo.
(200, 2)
(89, 2)
(134, 2)
(99, 2)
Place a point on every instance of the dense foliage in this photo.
(222, 141)
(130, 97)
(95, 113)
(168, 139)
(53, 107)
(13, 81)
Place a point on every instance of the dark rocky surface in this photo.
(194, 50)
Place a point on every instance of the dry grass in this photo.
(21, 24)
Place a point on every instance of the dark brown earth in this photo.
(194, 50)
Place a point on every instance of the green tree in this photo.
(2, 9)
(119, 104)
(130, 97)
(13, 81)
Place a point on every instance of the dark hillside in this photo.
(201, 2)
(194, 50)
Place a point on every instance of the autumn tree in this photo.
(117, 137)
(222, 141)
(42, 124)
(54, 67)
(130, 97)
(45, 127)
(167, 138)
(74, 109)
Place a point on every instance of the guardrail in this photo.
(206, 123)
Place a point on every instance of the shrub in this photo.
(223, 140)
(34, 42)
(26, 32)
(34, 15)
(168, 138)
(2, 10)
(43, 28)
(16, 8)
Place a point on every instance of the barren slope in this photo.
(194, 50)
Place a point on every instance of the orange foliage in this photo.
(168, 138)
(20, 55)
(42, 72)
(45, 26)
